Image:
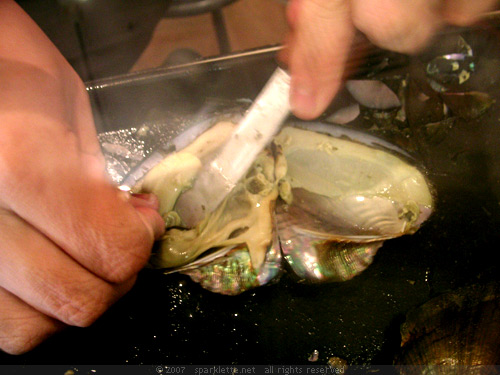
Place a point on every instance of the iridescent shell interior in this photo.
(323, 201)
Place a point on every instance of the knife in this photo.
(218, 177)
(178, 143)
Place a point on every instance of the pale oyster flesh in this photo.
(244, 221)
(339, 200)
(344, 192)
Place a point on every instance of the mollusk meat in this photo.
(326, 203)
(346, 199)
(242, 227)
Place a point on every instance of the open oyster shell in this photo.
(241, 229)
(331, 201)
(345, 199)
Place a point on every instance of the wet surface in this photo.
(171, 320)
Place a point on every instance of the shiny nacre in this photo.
(451, 70)
(235, 273)
(332, 200)
(346, 199)
(243, 223)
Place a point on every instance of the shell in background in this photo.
(455, 333)
(373, 94)
(345, 114)
(467, 105)
(453, 69)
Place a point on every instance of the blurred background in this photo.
(103, 38)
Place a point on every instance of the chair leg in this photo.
(220, 31)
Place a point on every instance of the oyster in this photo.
(345, 199)
(332, 202)
(455, 333)
(241, 228)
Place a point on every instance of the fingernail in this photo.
(303, 101)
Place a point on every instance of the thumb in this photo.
(147, 206)
(319, 43)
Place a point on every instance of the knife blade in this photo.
(156, 156)
(218, 177)
(139, 171)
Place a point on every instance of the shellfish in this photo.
(326, 203)
(455, 333)
(347, 198)
(241, 229)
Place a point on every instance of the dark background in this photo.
(99, 38)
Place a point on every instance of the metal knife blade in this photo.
(139, 171)
(155, 157)
(253, 133)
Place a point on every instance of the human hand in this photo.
(72, 243)
(322, 31)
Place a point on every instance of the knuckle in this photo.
(84, 310)
(326, 7)
(125, 258)
(22, 327)
(18, 343)
(377, 32)
(404, 28)
(11, 157)
(465, 13)
(77, 306)
(383, 25)
(110, 239)
(459, 18)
